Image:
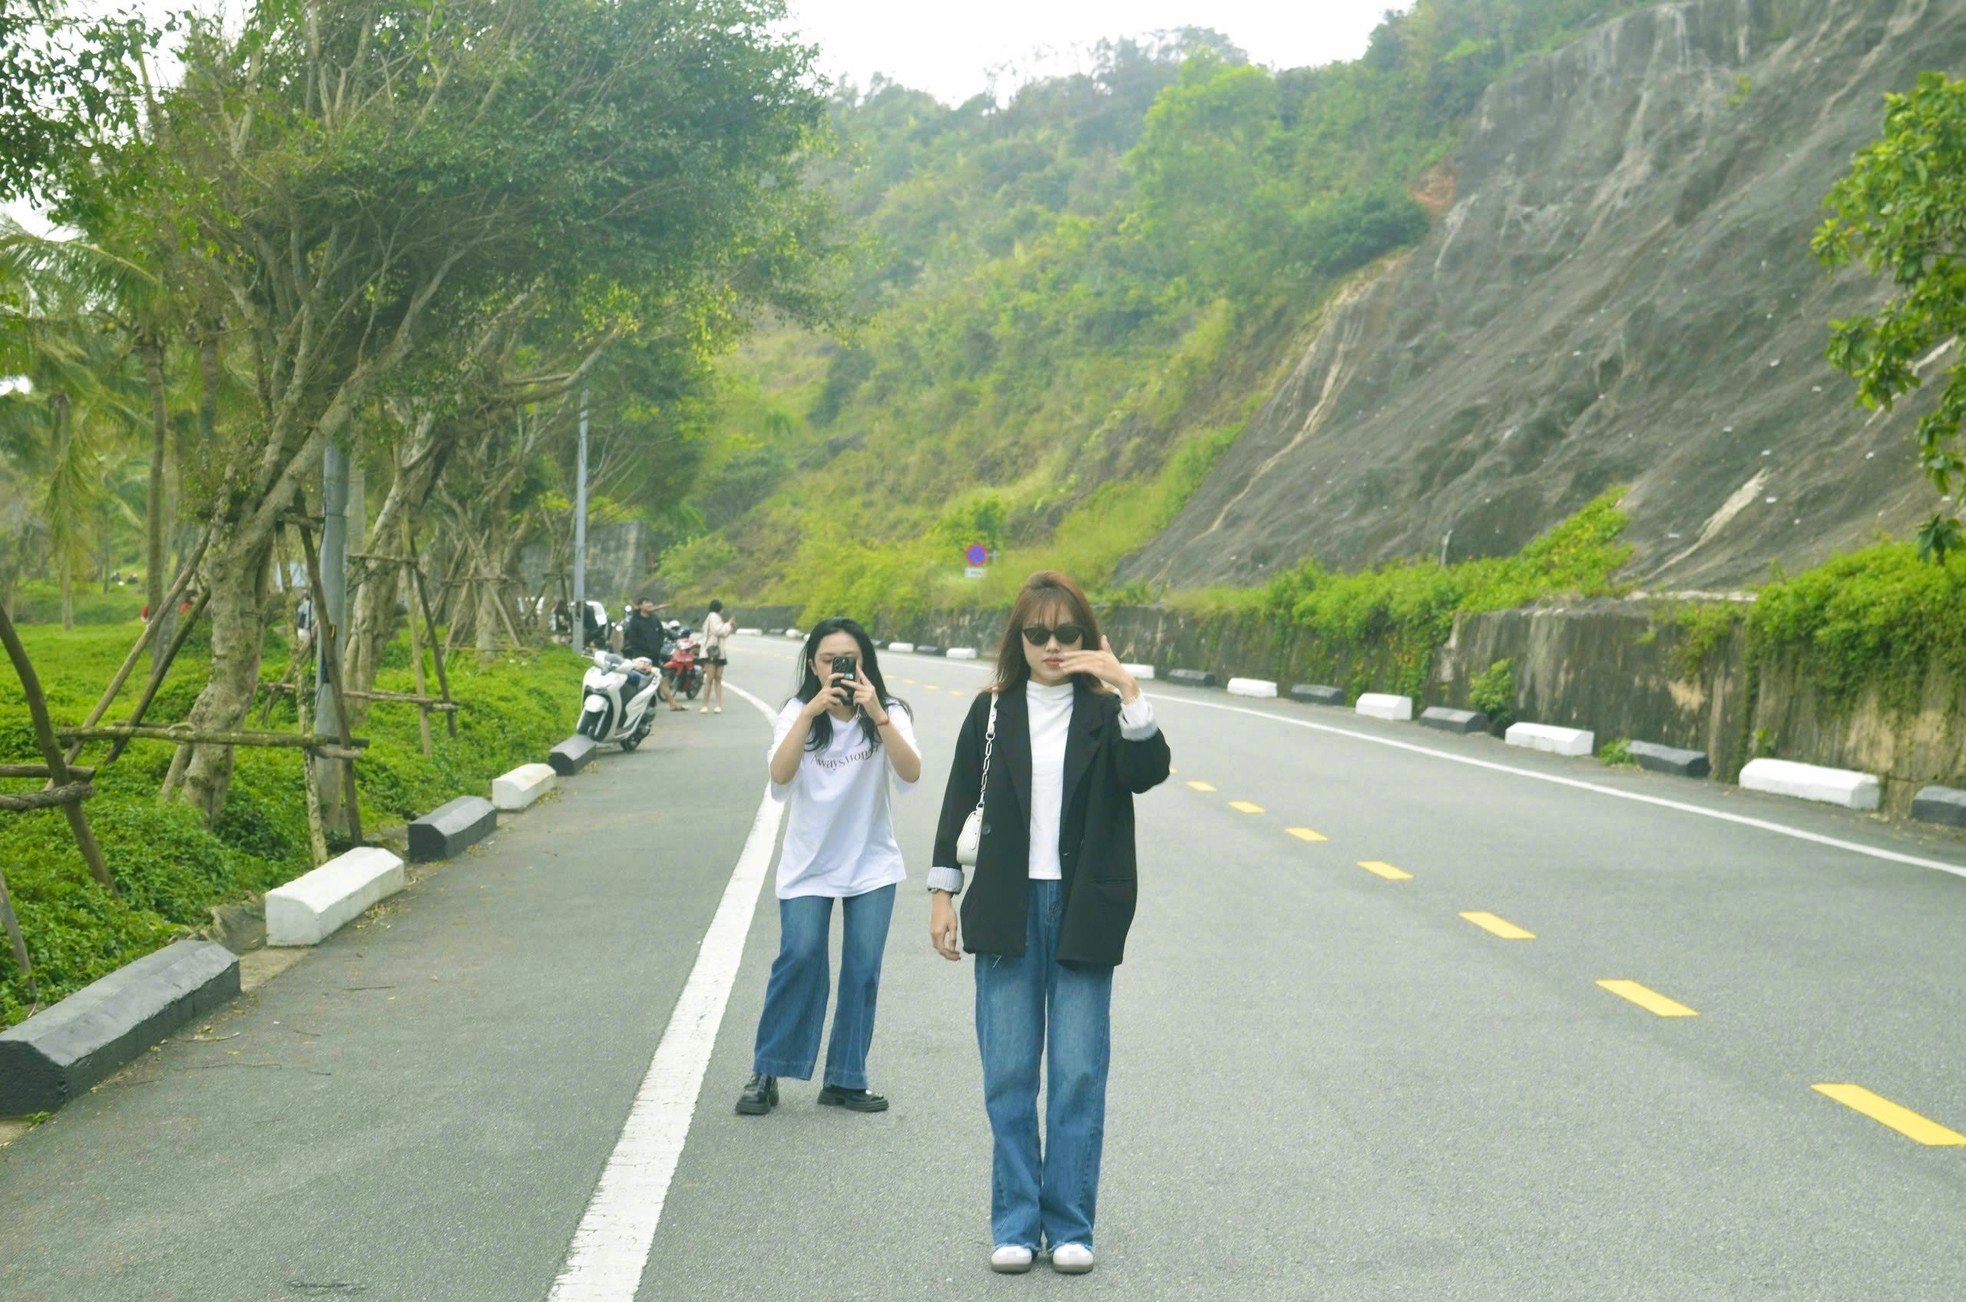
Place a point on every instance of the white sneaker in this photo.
(1011, 1259)
(1071, 1259)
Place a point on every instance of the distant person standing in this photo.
(716, 632)
(644, 638)
(841, 747)
(1050, 759)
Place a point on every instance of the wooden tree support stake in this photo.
(149, 633)
(328, 638)
(18, 941)
(44, 735)
(184, 733)
(48, 797)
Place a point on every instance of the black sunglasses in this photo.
(1067, 634)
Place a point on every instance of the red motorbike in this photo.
(683, 670)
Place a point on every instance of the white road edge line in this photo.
(611, 1248)
(1744, 820)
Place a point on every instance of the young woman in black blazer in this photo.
(1049, 906)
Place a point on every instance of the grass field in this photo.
(171, 868)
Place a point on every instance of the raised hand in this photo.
(1103, 665)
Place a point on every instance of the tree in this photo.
(1902, 211)
(62, 83)
(379, 194)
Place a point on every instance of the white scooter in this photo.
(614, 706)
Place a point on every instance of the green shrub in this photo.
(1706, 627)
(1493, 693)
(1617, 753)
(1393, 619)
(1879, 618)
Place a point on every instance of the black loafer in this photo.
(838, 1096)
(760, 1095)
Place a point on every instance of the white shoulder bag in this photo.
(971, 839)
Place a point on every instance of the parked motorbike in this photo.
(683, 670)
(617, 700)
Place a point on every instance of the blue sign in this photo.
(977, 554)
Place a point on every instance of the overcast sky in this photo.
(951, 50)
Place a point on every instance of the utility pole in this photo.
(579, 611)
(328, 625)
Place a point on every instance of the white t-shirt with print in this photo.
(839, 831)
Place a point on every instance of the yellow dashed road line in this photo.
(1385, 870)
(1495, 926)
(1922, 1130)
(1245, 807)
(1648, 999)
(1202, 787)
(1306, 834)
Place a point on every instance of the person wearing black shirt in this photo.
(643, 637)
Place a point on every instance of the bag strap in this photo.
(989, 745)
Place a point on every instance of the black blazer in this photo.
(1103, 772)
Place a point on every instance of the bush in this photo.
(1877, 617)
(1393, 619)
(1493, 693)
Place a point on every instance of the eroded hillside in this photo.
(1620, 292)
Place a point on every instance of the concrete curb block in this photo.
(1384, 705)
(904, 647)
(926, 650)
(1145, 673)
(61, 1051)
(1940, 805)
(515, 790)
(1261, 688)
(750, 632)
(1317, 694)
(774, 632)
(448, 830)
(1191, 677)
(1670, 759)
(1845, 787)
(962, 653)
(572, 755)
(1551, 739)
(793, 633)
(315, 905)
(1460, 721)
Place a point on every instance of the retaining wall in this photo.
(1616, 667)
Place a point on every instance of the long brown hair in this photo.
(1044, 589)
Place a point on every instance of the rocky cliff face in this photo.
(1620, 292)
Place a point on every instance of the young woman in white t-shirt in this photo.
(841, 747)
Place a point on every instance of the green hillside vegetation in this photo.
(170, 867)
(1072, 301)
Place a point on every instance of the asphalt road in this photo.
(1327, 1082)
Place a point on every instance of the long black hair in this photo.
(821, 735)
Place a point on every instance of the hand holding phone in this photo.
(846, 666)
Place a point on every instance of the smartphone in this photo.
(845, 666)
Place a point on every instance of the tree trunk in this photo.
(372, 612)
(235, 572)
(154, 578)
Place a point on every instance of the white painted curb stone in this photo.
(962, 653)
(1143, 672)
(1549, 737)
(312, 907)
(901, 646)
(1845, 787)
(1258, 687)
(794, 634)
(523, 785)
(1382, 705)
(750, 632)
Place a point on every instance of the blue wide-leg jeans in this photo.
(795, 998)
(1034, 1008)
